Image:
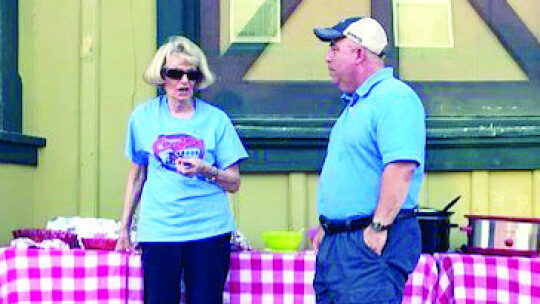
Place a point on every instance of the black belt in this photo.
(357, 223)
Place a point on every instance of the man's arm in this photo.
(395, 182)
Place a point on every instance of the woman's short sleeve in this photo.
(133, 148)
(229, 147)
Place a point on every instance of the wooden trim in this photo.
(298, 155)
(15, 148)
(21, 149)
(382, 11)
(536, 193)
(464, 145)
(473, 99)
(10, 82)
(504, 218)
(505, 24)
(252, 99)
(441, 99)
(89, 137)
(178, 17)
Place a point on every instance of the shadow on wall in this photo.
(229, 101)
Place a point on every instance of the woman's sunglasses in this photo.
(177, 74)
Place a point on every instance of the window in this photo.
(423, 23)
(255, 21)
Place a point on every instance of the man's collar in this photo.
(364, 89)
(373, 80)
(349, 98)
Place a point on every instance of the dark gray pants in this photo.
(347, 271)
(205, 264)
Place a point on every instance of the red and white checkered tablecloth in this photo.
(469, 279)
(68, 276)
(257, 277)
(92, 276)
(421, 287)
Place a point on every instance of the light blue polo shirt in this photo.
(175, 207)
(383, 122)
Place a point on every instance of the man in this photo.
(372, 173)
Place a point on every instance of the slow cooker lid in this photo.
(432, 212)
(504, 218)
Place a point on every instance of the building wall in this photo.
(475, 55)
(81, 63)
(17, 199)
(287, 201)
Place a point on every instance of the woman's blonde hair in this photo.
(178, 45)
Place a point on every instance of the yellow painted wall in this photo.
(81, 63)
(287, 201)
(128, 42)
(16, 199)
(476, 55)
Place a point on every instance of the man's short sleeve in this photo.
(401, 134)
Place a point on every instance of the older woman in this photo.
(185, 154)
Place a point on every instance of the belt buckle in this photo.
(348, 226)
(324, 224)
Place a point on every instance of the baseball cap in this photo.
(365, 31)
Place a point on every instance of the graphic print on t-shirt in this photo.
(167, 148)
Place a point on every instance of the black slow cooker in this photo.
(435, 225)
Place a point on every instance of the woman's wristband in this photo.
(212, 174)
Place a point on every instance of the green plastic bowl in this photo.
(282, 240)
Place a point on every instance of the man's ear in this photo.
(360, 55)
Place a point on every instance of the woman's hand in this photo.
(228, 179)
(190, 166)
(124, 242)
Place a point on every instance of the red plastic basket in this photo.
(99, 243)
(38, 235)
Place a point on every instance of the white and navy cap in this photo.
(363, 30)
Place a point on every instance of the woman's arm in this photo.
(228, 179)
(134, 186)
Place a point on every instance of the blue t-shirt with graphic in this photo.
(383, 122)
(174, 207)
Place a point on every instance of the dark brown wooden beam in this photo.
(513, 34)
